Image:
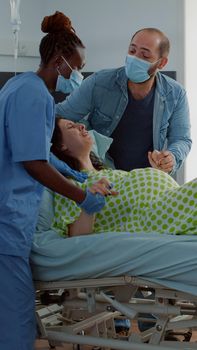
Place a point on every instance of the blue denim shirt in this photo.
(103, 97)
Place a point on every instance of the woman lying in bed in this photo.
(148, 200)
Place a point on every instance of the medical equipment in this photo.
(16, 22)
(82, 310)
(84, 313)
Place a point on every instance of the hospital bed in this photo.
(84, 285)
(86, 309)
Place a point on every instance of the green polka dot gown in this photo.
(149, 200)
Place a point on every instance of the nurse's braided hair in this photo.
(61, 37)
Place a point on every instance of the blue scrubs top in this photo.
(26, 125)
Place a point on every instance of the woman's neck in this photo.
(86, 163)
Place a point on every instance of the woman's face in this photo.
(75, 139)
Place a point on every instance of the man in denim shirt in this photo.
(144, 111)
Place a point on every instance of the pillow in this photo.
(46, 211)
(101, 144)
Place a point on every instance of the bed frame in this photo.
(83, 312)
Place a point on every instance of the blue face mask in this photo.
(137, 69)
(68, 85)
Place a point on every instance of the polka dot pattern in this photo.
(149, 200)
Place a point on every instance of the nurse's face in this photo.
(76, 61)
(75, 139)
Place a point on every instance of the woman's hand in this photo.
(104, 187)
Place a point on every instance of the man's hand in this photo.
(162, 160)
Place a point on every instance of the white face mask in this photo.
(68, 85)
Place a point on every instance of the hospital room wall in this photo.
(105, 26)
(190, 53)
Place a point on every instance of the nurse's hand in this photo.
(162, 160)
(95, 196)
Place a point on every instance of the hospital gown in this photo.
(149, 200)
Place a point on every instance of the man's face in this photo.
(145, 45)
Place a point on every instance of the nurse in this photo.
(26, 126)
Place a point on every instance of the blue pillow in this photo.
(46, 211)
(101, 144)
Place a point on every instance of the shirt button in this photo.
(117, 117)
(107, 132)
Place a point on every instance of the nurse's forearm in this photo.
(48, 176)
